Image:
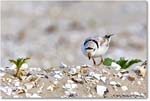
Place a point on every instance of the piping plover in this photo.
(97, 46)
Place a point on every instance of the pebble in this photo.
(124, 88)
(101, 90)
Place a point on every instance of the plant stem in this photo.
(17, 72)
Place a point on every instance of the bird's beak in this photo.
(89, 56)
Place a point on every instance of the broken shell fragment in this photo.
(62, 65)
(124, 88)
(35, 96)
(101, 90)
(73, 71)
(115, 66)
(28, 85)
(103, 79)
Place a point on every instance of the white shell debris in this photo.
(103, 79)
(58, 75)
(50, 88)
(136, 93)
(28, 85)
(113, 83)
(124, 88)
(70, 85)
(72, 71)
(17, 83)
(139, 82)
(115, 66)
(35, 96)
(95, 75)
(101, 90)
(62, 65)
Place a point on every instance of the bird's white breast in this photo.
(101, 51)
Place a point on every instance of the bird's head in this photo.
(108, 37)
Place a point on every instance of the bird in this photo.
(96, 46)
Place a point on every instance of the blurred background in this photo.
(52, 32)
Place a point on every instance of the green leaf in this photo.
(108, 61)
(13, 61)
(122, 62)
(131, 62)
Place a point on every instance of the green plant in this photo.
(124, 63)
(18, 62)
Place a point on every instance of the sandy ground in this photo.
(84, 81)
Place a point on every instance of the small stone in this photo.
(101, 90)
(131, 78)
(124, 88)
(84, 71)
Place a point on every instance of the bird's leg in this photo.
(94, 61)
(101, 61)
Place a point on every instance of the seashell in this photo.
(124, 88)
(115, 66)
(101, 90)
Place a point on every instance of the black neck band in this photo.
(93, 41)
